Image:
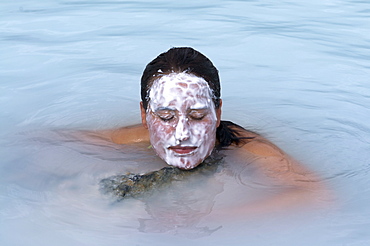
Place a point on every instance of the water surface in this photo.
(295, 72)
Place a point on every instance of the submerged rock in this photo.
(135, 185)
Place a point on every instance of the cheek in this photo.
(159, 130)
(203, 131)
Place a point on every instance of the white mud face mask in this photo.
(181, 119)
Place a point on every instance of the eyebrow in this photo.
(174, 109)
(199, 108)
(164, 108)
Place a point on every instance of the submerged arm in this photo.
(129, 134)
(277, 165)
(123, 135)
(298, 186)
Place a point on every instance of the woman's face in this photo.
(181, 119)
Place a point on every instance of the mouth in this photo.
(183, 150)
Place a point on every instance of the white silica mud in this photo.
(182, 120)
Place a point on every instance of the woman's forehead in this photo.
(178, 84)
(187, 80)
(180, 88)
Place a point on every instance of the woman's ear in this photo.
(143, 115)
(218, 113)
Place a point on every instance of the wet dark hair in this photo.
(178, 60)
(186, 59)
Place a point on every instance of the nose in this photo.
(182, 132)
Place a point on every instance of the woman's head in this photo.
(181, 106)
(178, 60)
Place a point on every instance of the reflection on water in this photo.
(297, 72)
(171, 196)
(180, 208)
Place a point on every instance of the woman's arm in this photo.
(299, 185)
(123, 135)
(129, 134)
(276, 164)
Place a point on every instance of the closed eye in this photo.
(197, 114)
(165, 115)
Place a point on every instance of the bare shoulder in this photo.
(258, 145)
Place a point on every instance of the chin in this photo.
(183, 163)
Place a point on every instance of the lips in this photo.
(183, 150)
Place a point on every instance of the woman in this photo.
(181, 118)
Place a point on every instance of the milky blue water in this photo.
(295, 71)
